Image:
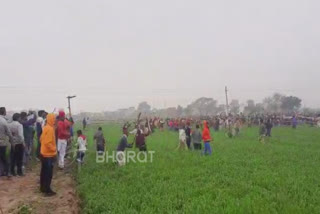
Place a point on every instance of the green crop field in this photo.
(242, 175)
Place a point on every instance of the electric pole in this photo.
(69, 105)
(227, 102)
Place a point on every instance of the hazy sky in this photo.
(116, 53)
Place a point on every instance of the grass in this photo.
(242, 175)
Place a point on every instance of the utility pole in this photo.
(227, 102)
(69, 105)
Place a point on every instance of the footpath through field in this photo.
(22, 194)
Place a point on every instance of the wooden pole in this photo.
(69, 104)
(227, 102)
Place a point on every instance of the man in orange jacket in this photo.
(206, 137)
(48, 153)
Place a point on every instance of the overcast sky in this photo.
(116, 53)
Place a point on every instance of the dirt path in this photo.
(22, 194)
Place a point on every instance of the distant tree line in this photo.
(205, 106)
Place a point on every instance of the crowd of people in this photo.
(54, 136)
(16, 137)
(189, 129)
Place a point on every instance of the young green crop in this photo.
(242, 175)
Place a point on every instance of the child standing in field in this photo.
(82, 146)
(206, 137)
(262, 131)
(182, 139)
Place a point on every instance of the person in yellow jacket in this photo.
(48, 153)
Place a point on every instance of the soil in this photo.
(22, 194)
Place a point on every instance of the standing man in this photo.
(39, 125)
(70, 123)
(141, 141)
(63, 133)
(188, 135)
(262, 131)
(294, 122)
(196, 138)
(217, 124)
(161, 124)
(87, 122)
(206, 137)
(123, 144)
(100, 141)
(84, 123)
(5, 138)
(48, 154)
(27, 123)
(18, 145)
(269, 126)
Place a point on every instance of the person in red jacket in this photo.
(63, 134)
(206, 137)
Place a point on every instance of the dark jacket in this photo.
(140, 140)
(28, 129)
(99, 138)
(269, 125)
(123, 144)
(188, 132)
